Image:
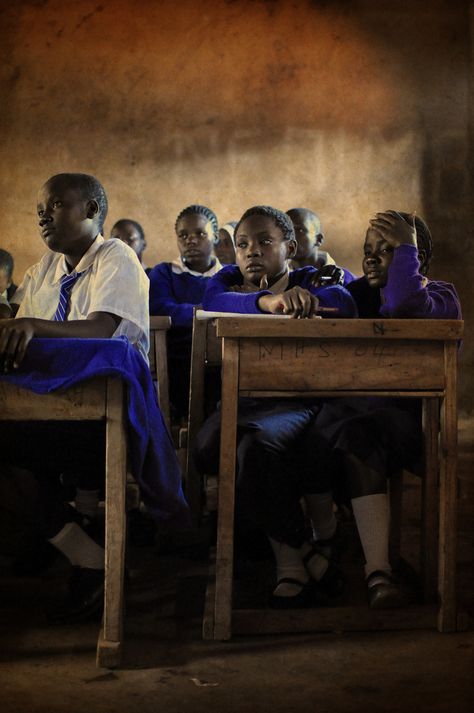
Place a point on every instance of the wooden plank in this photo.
(336, 393)
(225, 514)
(161, 371)
(160, 322)
(361, 364)
(115, 523)
(429, 500)
(444, 329)
(193, 479)
(109, 653)
(85, 401)
(447, 620)
(335, 619)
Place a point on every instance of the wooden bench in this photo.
(96, 399)
(157, 355)
(328, 358)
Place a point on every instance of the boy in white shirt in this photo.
(84, 287)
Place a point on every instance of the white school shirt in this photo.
(178, 266)
(112, 281)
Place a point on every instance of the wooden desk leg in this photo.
(162, 385)
(193, 482)
(448, 496)
(110, 639)
(430, 499)
(226, 502)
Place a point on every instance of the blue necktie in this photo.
(67, 283)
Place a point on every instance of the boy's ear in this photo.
(92, 208)
(319, 239)
(291, 249)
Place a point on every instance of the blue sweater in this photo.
(53, 364)
(176, 295)
(218, 298)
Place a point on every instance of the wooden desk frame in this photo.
(96, 399)
(159, 326)
(399, 358)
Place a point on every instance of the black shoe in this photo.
(84, 600)
(389, 593)
(332, 584)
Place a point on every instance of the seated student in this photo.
(309, 237)
(268, 484)
(131, 233)
(177, 287)
(374, 437)
(225, 248)
(82, 287)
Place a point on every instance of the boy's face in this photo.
(128, 234)
(378, 255)
(195, 241)
(261, 250)
(67, 222)
(4, 280)
(307, 231)
(224, 249)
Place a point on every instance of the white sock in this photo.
(317, 564)
(289, 565)
(372, 515)
(87, 502)
(321, 511)
(78, 547)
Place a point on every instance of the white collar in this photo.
(178, 267)
(84, 263)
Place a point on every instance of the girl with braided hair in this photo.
(371, 438)
(177, 287)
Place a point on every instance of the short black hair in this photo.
(423, 239)
(90, 189)
(123, 221)
(199, 210)
(315, 218)
(282, 220)
(6, 262)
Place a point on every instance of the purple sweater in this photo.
(217, 297)
(407, 294)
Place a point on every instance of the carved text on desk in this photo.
(281, 350)
(286, 349)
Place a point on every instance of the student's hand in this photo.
(15, 335)
(328, 275)
(250, 288)
(394, 228)
(298, 302)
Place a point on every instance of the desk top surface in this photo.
(413, 329)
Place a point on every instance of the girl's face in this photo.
(261, 249)
(225, 250)
(378, 255)
(128, 234)
(195, 241)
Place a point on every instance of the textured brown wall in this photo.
(343, 107)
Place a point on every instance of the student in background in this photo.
(131, 233)
(225, 248)
(373, 437)
(269, 486)
(177, 287)
(82, 287)
(7, 286)
(309, 237)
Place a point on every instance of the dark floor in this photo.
(167, 667)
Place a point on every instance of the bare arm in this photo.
(16, 334)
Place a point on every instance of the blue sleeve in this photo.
(338, 297)
(348, 276)
(217, 297)
(409, 294)
(163, 300)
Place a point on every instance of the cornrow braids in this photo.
(6, 262)
(90, 189)
(423, 239)
(282, 220)
(123, 222)
(199, 210)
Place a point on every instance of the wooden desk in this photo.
(285, 358)
(96, 399)
(159, 363)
